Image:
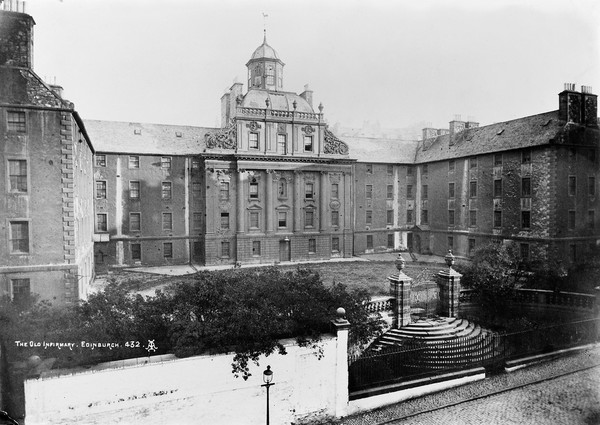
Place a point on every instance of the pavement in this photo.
(568, 394)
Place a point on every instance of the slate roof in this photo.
(22, 86)
(366, 149)
(281, 101)
(523, 132)
(153, 139)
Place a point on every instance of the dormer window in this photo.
(270, 75)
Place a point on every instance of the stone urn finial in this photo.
(449, 258)
(341, 314)
(400, 262)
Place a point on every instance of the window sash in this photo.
(16, 122)
(390, 191)
(473, 189)
(167, 250)
(308, 143)
(167, 190)
(254, 219)
(335, 218)
(19, 237)
(134, 162)
(225, 221)
(165, 162)
(335, 190)
(17, 175)
(224, 191)
(256, 248)
(282, 219)
(197, 221)
(100, 190)
(526, 186)
(309, 191)
(451, 190)
(335, 244)
(225, 249)
(253, 140)
(135, 220)
(312, 246)
(254, 190)
(100, 160)
(134, 189)
(167, 221)
(472, 217)
(282, 143)
(101, 222)
(309, 219)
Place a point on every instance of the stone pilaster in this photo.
(298, 200)
(269, 210)
(240, 212)
(323, 201)
(400, 291)
(449, 289)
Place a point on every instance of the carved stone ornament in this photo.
(335, 177)
(275, 175)
(333, 145)
(334, 205)
(225, 138)
(310, 176)
(253, 125)
(223, 172)
(308, 129)
(281, 127)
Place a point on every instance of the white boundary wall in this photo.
(195, 390)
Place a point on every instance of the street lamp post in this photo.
(267, 377)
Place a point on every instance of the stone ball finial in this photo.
(34, 361)
(449, 258)
(321, 107)
(267, 102)
(400, 262)
(341, 314)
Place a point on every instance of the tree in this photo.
(495, 272)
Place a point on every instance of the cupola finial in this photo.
(265, 16)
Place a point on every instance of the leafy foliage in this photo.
(244, 311)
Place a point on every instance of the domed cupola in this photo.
(265, 69)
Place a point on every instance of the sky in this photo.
(397, 63)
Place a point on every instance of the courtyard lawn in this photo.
(370, 275)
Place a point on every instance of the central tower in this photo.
(265, 69)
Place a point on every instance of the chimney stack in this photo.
(569, 104)
(456, 125)
(16, 35)
(589, 107)
(307, 95)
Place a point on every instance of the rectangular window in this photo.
(308, 143)
(335, 218)
(473, 189)
(253, 141)
(101, 223)
(425, 169)
(134, 190)
(450, 242)
(573, 252)
(451, 190)
(309, 191)
(312, 246)
(224, 220)
(571, 219)
(525, 219)
(16, 122)
(197, 221)
(167, 250)
(390, 170)
(424, 191)
(256, 248)
(167, 221)
(254, 219)
(335, 244)
(409, 191)
(390, 217)
(390, 240)
(100, 160)
(368, 217)
(498, 188)
(497, 219)
(410, 171)
(309, 218)
(450, 217)
(369, 168)
(335, 191)
(524, 251)
(424, 217)
(471, 246)
(136, 252)
(369, 191)
(369, 241)
(135, 222)
(409, 216)
(225, 249)
(253, 190)
(572, 185)
(195, 163)
(282, 144)
(21, 289)
(473, 163)
(390, 191)
(196, 190)
(591, 219)
(451, 166)
(592, 186)
(19, 237)
(526, 157)
(166, 190)
(497, 159)
(526, 186)
(282, 219)
(17, 175)
(224, 191)
(472, 217)
(100, 190)
(134, 161)
(165, 162)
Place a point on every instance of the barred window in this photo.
(101, 223)
(100, 190)
(473, 189)
(167, 190)
(100, 160)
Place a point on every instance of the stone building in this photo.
(46, 212)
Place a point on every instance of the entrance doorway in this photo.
(284, 250)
